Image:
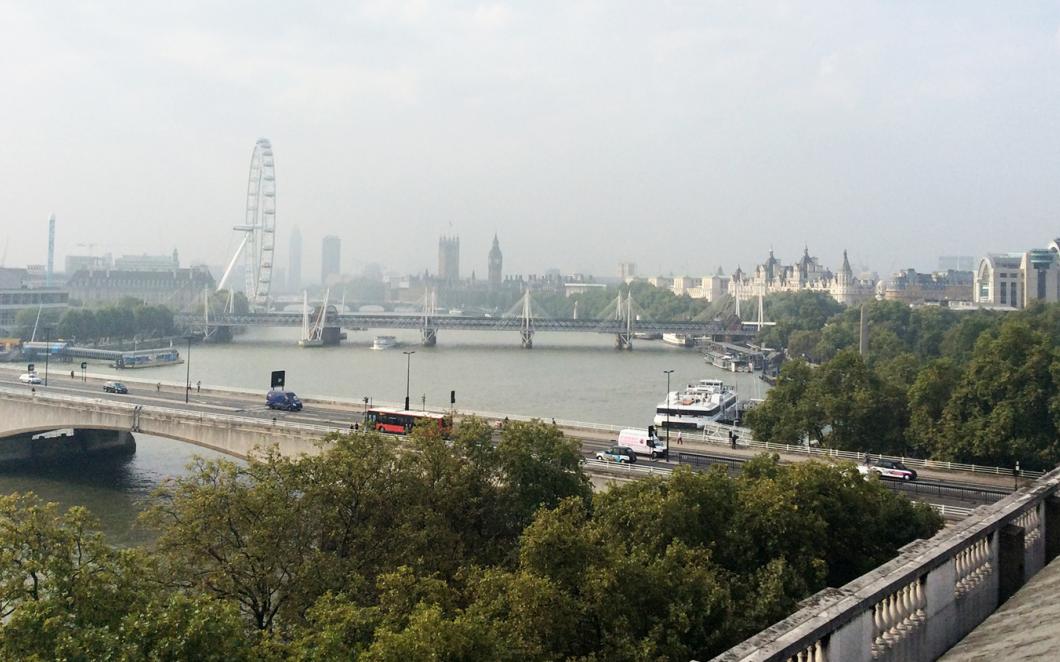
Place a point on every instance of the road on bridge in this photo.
(938, 487)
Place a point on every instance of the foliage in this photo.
(483, 546)
(979, 387)
(126, 319)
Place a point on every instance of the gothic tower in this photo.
(496, 263)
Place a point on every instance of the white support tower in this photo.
(428, 332)
(526, 331)
(313, 335)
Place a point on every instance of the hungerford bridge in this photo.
(323, 324)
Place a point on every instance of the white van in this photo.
(643, 442)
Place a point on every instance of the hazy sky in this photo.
(678, 135)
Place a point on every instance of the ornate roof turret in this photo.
(846, 270)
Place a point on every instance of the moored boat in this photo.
(706, 401)
(384, 342)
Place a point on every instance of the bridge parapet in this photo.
(930, 596)
(23, 411)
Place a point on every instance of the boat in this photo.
(707, 401)
(384, 342)
(647, 335)
(727, 361)
(678, 339)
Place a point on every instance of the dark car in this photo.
(115, 387)
(617, 454)
(284, 400)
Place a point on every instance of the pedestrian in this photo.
(198, 386)
(71, 374)
(553, 420)
(680, 438)
(356, 427)
(735, 438)
(158, 387)
(732, 439)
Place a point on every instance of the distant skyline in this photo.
(679, 136)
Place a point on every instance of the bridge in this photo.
(625, 324)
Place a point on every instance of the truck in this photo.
(644, 442)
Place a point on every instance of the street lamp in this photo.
(408, 375)
(668, 373)
(187, 375)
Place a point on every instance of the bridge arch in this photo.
(25, 413)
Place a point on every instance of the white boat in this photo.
(678, 339)
(384, 342)
(704, 402)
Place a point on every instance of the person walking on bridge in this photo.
(198, 386)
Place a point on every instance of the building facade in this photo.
(909, 286)
(449, 259)
(496, 264)
(17, 293)
(330, 260)
(178, 289)
(1016, 280)
(805, 275)
(148, 262)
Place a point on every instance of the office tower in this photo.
(330, 260)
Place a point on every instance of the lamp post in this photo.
(187, 374)
(408, 375)
(668, 373)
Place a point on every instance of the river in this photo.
(569, 376)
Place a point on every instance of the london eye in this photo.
(258, 228)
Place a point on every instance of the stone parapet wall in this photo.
(930, 596)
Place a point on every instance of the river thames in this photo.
(569, 376)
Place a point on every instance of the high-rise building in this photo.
(330, 260)
(449, 259)
(627, 271)
(496, 263)
(294, 252)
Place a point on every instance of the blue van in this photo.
(285, 400)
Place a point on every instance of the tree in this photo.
(241, 533)
(1003, 408)
(786, 416)
(540, 466)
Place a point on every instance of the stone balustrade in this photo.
(918, 605)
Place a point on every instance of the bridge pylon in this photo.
(526, 330)
(624, 312)
(428, 330)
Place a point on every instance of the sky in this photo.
(681, 136)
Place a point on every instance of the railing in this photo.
(918, 605)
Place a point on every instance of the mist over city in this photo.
(681, 137)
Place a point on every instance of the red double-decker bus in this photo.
(401, 421)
